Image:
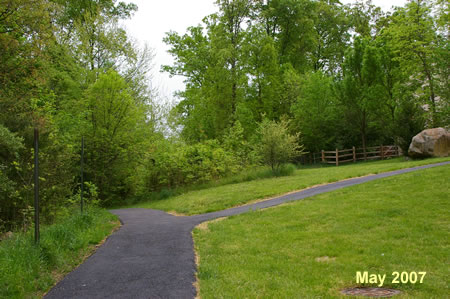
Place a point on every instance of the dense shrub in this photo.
(276, 146)
(174, 165)
(56, 181)
(10, 145)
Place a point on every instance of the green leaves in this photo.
(116, 135)
(10, 147)
(175, 164)
(68, 68)
(315, 111)
(420, 48)
(345, 75)
(10, 144)
(276, 146)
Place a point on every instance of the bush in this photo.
(175, 165)
(10, 200)
(56, 180)
(287, 169)
(172, 167)
(276, 146)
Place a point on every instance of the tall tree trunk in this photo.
(433, 100)
(429, 76)
(233, 90)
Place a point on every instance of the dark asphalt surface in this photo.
(152, 255)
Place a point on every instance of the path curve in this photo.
(152, 255)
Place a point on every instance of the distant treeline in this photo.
(344, 74)
(337, 75)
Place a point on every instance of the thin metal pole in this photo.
(36, 185)
(82, 179)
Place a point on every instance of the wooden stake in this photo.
(337, 157)
(354, 155)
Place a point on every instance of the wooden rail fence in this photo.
(338, 157)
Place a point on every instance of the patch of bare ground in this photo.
(175, 213)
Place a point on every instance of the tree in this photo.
(331, 26)
(422, 51)
(214, 67)
(116, 135)
(315, 112)
(364, 18)
(29, 98)
(21, 57)
(230, 34)
(91, 30)
(291, 24)
(69, 69)
(276, 146)
(263, 69)
(360, 89)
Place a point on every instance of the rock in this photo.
(430, 143)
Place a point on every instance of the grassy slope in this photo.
(29, 271)
(395, 224)
(222, 197)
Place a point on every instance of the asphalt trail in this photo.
(152, 255)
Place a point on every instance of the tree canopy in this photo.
(262, 77)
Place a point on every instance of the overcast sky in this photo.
(155, 18)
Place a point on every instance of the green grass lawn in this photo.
(28, 271)
(227, 196)
(398, 223)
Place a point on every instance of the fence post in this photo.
(36, 186)
(337, 157)
(323, 156)
(365, 154)
(82, 171)
(354, 154)
(382, 152)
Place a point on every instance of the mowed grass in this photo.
(28, 270)
(399, 223)
(227, 196)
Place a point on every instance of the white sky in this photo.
(155, 18)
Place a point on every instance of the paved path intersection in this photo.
(152, 255)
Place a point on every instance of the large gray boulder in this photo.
(430, 143)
